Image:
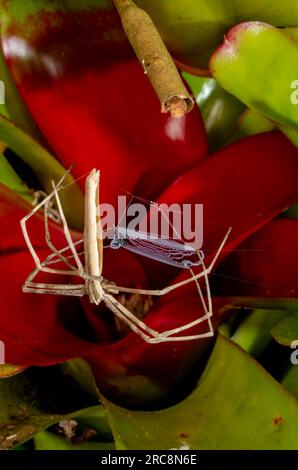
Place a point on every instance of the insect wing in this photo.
(167, 251)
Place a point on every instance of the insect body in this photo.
(94, 285)
(166, 251)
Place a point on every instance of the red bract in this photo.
(12, 210)
(33, 326)
(242, 186)
(265, 265)
(98, 110)
(46, 330)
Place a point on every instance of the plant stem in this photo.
(155, 59)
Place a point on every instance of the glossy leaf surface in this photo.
(226, 396)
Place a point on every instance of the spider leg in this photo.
(41, 266)
(142, 330)
(203, 273)
(49, 241)
(167, 339)
(207, 310)
(136, 325)
(169, 335)
(51, 259)
(67, 232)
(146, 333)
(207, 307)
(174, 331)
(47, 288)
(55, 289)
(25, 219)
(166, 290)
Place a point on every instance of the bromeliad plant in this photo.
(76, 90)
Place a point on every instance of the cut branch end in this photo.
(155, 59)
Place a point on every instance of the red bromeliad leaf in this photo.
(41, 329)
(143, 372)
(44, 330)
(28, 319)
(12, 209)
(235, 186)
(242, 186)
(93, 102)
(265, 265)
(76, 110)
(97, 109)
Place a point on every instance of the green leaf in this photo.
(292, 32)
(46, 440)
(22, 10)
(253, 334)
(226, 119)
(290, 380)
(38, 398)
(236, 405)
(286, 331)
(9, 178)
(192, 29)
(81, 372)
(291, 213)
(46, 168)
(7, 370)
(273, 90)
(97, 419)
(263, 303)
(291, 134)
(251, 123)
(14, 106)
(220, 110)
